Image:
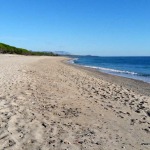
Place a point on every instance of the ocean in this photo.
(129, 67)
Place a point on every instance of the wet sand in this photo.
(47, 104)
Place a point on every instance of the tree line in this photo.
(7, 49)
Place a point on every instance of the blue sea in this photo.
(130, 67)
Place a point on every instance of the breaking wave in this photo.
(113, 70)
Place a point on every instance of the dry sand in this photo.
(46, 104)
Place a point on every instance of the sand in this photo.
(47, 104)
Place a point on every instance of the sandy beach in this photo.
(47, 104)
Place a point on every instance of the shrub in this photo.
(4, 48)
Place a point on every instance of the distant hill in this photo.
(7, 49)
(62, 53)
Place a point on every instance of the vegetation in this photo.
(7, 49)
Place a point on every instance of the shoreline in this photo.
(47, 104)
(133, 84)
(124, 72)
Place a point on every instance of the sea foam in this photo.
(112, 70)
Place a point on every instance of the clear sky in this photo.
(97, 27)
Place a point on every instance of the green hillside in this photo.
(7, 49)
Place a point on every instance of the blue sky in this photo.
(97, 27)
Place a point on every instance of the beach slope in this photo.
(46, 104)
